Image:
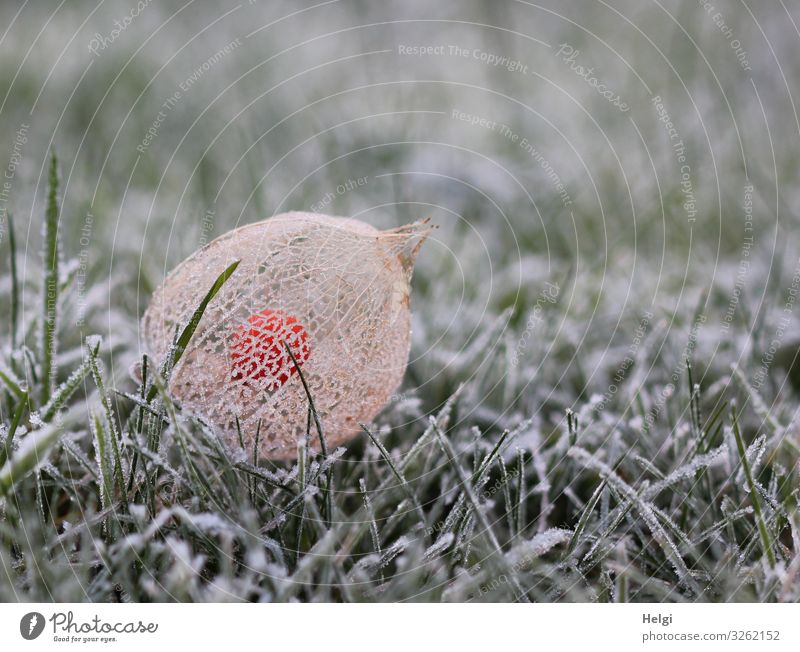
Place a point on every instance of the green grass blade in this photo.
(397, 474)
(13, 384)
(487, 461)
(520, 516)
(12, 245)
(188, 330)
(111, 419)
(50, 289)
(30, 455)
(101, 456)
(5, 452)
(322, 445)
(763, 532)
(450, 454)
(584, 519)
(373, 526)
(65, 390)
(506, 494)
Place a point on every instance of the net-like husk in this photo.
(344, 281)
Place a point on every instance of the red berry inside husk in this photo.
(258, 352)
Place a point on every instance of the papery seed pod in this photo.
(334, 290)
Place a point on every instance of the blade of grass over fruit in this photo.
(188, 330)
(239, 433)
(255, 460)
(318, 425)
(49, 318)
(176, 352)
(315, 415)
(763, 532)
(302, 463)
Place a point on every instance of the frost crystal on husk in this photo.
(335, 291)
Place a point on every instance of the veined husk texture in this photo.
(335, 289)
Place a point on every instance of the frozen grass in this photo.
(506, 468)
(436, 510)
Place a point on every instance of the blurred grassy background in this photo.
(310, 96)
